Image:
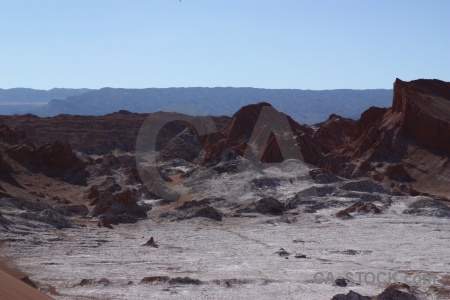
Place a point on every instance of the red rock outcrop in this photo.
(235, 135)
(263, 127)
(56, 157)
(359, 207)
(119, 207)
(55, 160)
(94, 134)
(426, 108)
(405, 147)
(9, 136)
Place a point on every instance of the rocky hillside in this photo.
(405, 147)
(426, 109)
(235, 212)
(54, 185)
(96, 135)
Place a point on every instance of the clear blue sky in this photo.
(310, 44)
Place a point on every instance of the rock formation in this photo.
(55, 159)
(185, 146)
(93, 134)
(425, 206)
(151, 243)
(266, 205)
(193, 209)
(119, 207)
(425, 105)
(405, 147)
(390, 293)
(358, 207)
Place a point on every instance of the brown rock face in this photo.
(28, 281)
(9, 136)
(151, 243)
(194, 209)
(405, 148)
(266, 205)
(234, 137)
(358, 207)
(55, 157)
(120, 207)
(260, 127)
(185, 145)
(335, 132)
(426, 108)
(4, 166)
(241, 125)
(390, 293)
(58, 160)
(54, 160)
(92, 134)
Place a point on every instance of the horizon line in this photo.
(192, 87)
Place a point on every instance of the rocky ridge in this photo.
(405, 147)
(354, 172)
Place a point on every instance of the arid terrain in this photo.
(249, 206)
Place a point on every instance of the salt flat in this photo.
(236, 248)
(240, 257)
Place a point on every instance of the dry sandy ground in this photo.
(11, 288)
(242, 250)
(239, 250)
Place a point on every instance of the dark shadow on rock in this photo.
(266, 205)
(193, 209)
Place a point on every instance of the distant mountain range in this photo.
(25, 100)
(305, 106)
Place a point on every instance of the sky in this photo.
(298, 44)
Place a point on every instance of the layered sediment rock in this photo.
(94, 134)
(120, 207)
(425, 105)
(405, 147)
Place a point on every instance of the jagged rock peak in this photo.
(425, 104)
(243, 122)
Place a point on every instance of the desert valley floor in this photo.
(343, 210)
(238, 257)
